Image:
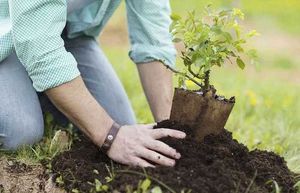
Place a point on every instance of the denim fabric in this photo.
(21, 117)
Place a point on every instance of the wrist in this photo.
(162, 111)
(99, 137)
(161, 117)
(110, 137)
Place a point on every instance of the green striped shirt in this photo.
(32, 28)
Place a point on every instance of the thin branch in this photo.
(193, 73)
(183, 74)
(229, 60)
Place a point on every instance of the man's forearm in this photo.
(136, 145)
(76, 102)
(157, 83)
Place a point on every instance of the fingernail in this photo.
(173, 163)
(178, 155)
(183, 135)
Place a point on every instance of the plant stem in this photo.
(251, 183)
(206, 80)
(193, 73)
(183, 74)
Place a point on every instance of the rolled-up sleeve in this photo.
(36, 31)
(148, 22)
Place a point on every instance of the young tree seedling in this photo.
(210, 40)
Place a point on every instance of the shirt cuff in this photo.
(53, 71)
(147, 53)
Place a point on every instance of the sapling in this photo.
(210, 40)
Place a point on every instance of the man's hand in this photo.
(138, 144)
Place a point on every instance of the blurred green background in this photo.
(267, 112)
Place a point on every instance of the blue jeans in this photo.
(21, 107)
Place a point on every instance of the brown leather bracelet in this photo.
(110, 137)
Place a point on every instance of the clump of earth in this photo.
(217, 164)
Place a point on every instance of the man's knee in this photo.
(27, 131)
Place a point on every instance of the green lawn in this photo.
(275, 13)
(283, 14)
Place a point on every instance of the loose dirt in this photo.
(218, 164)
(17, 177)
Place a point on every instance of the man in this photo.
(48, 53)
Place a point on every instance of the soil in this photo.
(22, 178)
(216, 165)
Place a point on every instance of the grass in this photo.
(282, 14)
(53, 143)
(272, 13)
(266, 115)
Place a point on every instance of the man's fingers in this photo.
(138, 162)
(163, 148)
(149, 126)
(162, 132)
(156, 157)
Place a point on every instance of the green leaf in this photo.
(175, 17)
(216, 29)
(252, 53)
(275, 185)
(240, 63)
(59, 180)
(238, 13)
(297, 185)
(75, 191)
(95, 171)
(224, 13)
(252, 33)
(227, 36)
(176, 40)
(239, 48)
(156, 189)
(108, 179)
(146, 184)
(105, 188)
(181, 82)
(98, 185)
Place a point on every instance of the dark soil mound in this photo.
(219, 164)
